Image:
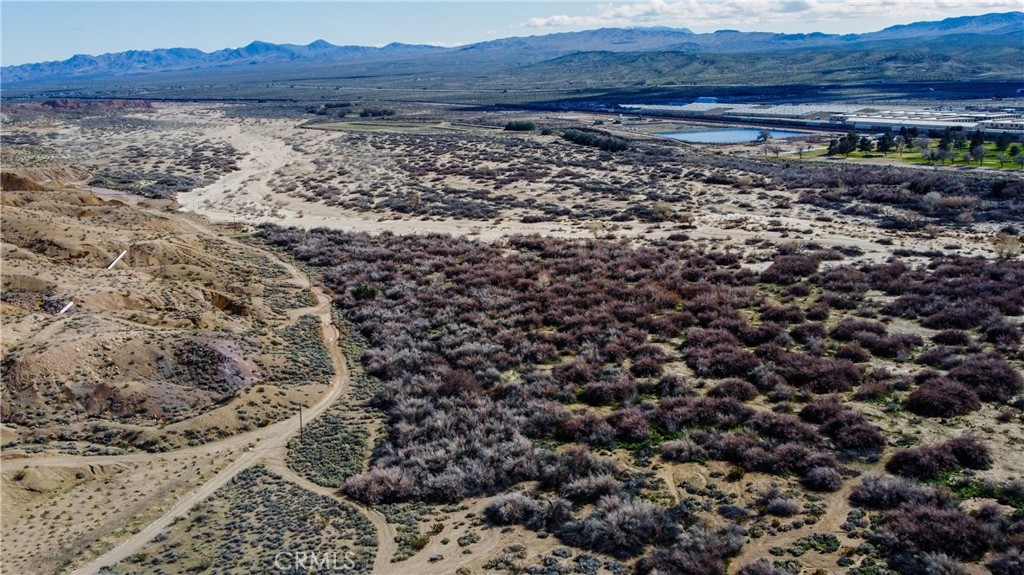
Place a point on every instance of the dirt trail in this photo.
(264, 442)
(837, 507)
(386, 533)
(268, 443)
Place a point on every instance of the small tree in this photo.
(901, 143)
(364, 292)
(885, 143)
(764, 135)
(959, 139)
(946, 140)
(848, 143)
(923, 144)
(1019, 160)
(1002, 158)
(1003, 141)
(978, 154)
(775, 150)
(865, 144)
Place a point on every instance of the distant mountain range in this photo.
(592, 48)
(166, 59)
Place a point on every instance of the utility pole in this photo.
(114, 263)
(300, 426)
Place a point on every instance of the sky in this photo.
(42, 30)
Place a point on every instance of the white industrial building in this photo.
(843, 116)
(934, 120)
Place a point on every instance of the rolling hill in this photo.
(986, 47)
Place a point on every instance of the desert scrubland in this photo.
(575, 348)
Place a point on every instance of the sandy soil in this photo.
(720, 214)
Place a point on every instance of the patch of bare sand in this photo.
(53, 513)
(278, 150)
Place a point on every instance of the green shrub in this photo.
(363, 292)
(520, 126)
(600, 140)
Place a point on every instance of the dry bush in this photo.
(699, 551)
(942, 397)
(591, 488)
(932, 461)
(620, 527)
(822, 479)
(992, 377)
(1010, 562)
(953, 337)
(734, 388)
(885, 492)
(683, 451)
(925, 529)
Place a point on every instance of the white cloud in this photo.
(733, 13)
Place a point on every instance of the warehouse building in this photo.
(842, 116)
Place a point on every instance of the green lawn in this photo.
(913, 156)
(990, 160)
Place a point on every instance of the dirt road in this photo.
(386, 533)
(264, 442)
(267, 444)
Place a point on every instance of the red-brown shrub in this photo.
(646, 367)
(871, 390)
(722, 361)
(816, 374)
(577, 372)
(589, 428)
(931, 461)
(852, 433)
(735, 388)
(782, 427)
(953, 337)
(604, 392)
(630, 425)
(806, 331)
(783, 315)
(683, 450)
(930, 530)
(790, 269)
(992, 377)
(885, 492)
(821, 410)
(970, 452)
(853, 352)
(942, 397)
(850, 328)
(823, 479)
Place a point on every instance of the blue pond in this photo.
(728, 135)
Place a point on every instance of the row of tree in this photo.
(950, 141)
